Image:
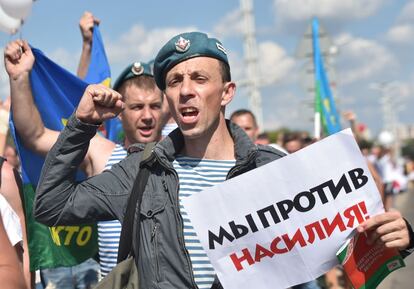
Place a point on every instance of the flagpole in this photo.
(317, 117)
(317, 125)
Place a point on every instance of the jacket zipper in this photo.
(154, 231)
(181, 232)
(155, 243)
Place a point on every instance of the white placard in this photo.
(281, 224)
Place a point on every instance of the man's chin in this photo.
(142, 139)
(145, 138)
(191, 133)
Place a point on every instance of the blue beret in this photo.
(133, 70)
(185, 46)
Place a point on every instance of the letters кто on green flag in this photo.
(56, 93)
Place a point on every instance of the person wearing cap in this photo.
(192, 70)
(141, 121)
(136, 79)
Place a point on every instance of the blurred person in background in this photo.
(11, 273)
(263, 139)
(245, 119)
(292, 142)
(13, 216)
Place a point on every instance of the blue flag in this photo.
(99, 72)
(56, 93)
(324, 101)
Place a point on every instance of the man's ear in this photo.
(228, 93)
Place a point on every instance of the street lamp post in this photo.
(389, 117)
(250, 50)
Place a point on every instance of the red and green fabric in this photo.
(366, 265)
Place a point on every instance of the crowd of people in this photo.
(179, 101)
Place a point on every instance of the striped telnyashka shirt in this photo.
(195, 175)
(109, 232)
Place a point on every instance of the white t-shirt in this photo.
(11, 222)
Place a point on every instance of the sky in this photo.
(371, 44)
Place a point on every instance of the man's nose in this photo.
(187, 88)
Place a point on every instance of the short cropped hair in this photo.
(241, 112)
(225, 71)
(144, 82)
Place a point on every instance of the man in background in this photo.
(247, 121)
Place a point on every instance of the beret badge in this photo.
(137, 68)
(182, 44)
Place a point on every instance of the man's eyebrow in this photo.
(173, 74)
(200, 72)
(191, 73)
